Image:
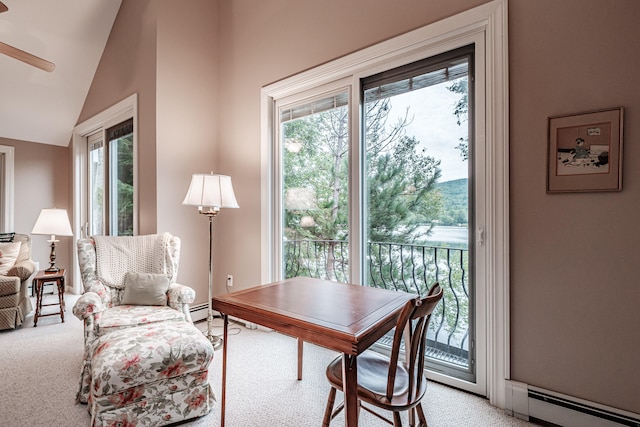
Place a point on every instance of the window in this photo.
(433, 62)
(111, 181)
(104, 175)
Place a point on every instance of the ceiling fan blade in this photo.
(27, 58)
(3, 7)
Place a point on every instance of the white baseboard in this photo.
(524, 401)
(199, 313)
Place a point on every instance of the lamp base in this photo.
(52, 269)
(215, 341)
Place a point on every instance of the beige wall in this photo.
(574, 259)
(166, 55)
(186, 127)
(41, 180)
(128, 66)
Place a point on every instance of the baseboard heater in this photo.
(199, 313)
(525, 402)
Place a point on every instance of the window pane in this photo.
(315, 147)
(121, 186)
(96, 189)
(417, 193)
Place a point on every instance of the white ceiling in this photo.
(43, 107)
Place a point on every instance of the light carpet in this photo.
(39, 371)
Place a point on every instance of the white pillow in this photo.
(8, 256)
(145, 289)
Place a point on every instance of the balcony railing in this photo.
(401, 267)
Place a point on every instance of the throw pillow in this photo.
(8, 255)
(145, 289)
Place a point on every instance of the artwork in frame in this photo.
(585, 152)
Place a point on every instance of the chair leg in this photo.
(397, 422)
(328, 411)
(421, 417)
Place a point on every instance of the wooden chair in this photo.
(385, 383)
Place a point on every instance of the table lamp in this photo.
(53, 222)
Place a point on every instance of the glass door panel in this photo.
(314, 147)
(417, 177)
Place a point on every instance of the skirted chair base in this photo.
(150, 375)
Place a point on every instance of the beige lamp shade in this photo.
(210, 190)
(54, 222)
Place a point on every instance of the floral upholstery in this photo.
(150, 375)
(100, 310)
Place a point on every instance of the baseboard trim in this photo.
(525, 402)
(199, 313)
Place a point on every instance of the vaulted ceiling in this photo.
(41, 106)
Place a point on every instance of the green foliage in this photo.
(455, 202)
(461, 111)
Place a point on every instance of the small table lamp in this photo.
(53, 222)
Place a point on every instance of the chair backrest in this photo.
(413, 323)
(88, 260)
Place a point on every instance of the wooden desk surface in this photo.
(344, 317)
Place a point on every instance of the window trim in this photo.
(485, 25)
(8, 185)
(121, 111)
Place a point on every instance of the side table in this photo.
(39, 281)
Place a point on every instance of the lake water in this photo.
(458, 235)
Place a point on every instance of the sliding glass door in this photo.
(394, 206)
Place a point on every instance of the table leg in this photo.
(61, 297)
(300, 351)
(39, 287)
(223, 402)
(350, 389)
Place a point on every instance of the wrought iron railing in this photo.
(402, 267)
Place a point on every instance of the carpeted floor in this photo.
(39, 370)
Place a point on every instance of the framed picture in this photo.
(585, 152)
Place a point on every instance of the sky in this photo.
(435, 126)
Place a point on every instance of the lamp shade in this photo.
(53, 222)
(210, 190)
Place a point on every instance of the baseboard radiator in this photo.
(525, 402)
(199, 314)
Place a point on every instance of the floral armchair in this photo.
(106, 263)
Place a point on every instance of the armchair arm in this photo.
(9, 285)
(179, 297)
(87, 305)
(23, 269)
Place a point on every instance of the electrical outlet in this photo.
(229, 280)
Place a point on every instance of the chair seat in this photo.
(372, 380)
(126, 316)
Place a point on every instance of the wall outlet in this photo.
(229, 280)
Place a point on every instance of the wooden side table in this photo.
(39, 281)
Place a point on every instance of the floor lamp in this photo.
(210, 193)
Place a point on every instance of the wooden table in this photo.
(343, 317)
(39, 281)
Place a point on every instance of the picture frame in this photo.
(585, 151)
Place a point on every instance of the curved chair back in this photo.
(413, 323)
